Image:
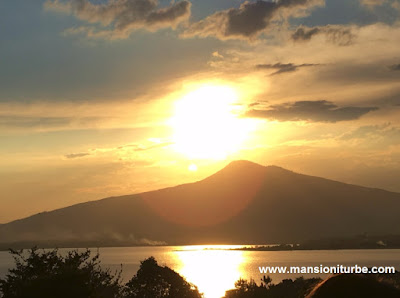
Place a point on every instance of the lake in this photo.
(215, 270)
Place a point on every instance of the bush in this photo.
(154, 281)
(43, 274)
(287, 288)
(47, 274)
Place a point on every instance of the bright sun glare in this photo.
(213, 271)
(192, 167)
(206, 124)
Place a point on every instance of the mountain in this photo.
(243, 203)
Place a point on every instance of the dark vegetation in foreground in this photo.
(337, 286)
(47, 274)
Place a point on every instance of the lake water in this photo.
(215, 271)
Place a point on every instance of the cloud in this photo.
(253, 104)
(123, 148)
(249, 20)
(18, 122)
(33, 123)
(396, 5)
(282, 67)
(374, 136)
(36, 122)
(118, 18)
(336, 34)
(76, 155)
(395, 67)
(140, 147)
(372, 131)
(313, 111)
(371, 3)
(216, 54)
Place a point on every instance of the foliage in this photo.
(286, 289)
(47, 274)
(248, 289)
(154, 281)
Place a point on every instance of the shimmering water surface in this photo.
(214, 269)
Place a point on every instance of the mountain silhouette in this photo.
(242, 203)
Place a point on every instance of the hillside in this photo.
(243, 203)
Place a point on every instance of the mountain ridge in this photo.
(242, 203)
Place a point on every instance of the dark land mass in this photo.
(243, 203)
(357, 242)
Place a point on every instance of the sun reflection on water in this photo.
(214, 269)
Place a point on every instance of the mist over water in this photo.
(214, 269)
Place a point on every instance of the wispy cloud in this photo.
(128, 147)
(283, 67)
(17, 122)
(372, 3)
(340, 35)
(140, 147)
(76, 155)
(313, 111)
(386, 131)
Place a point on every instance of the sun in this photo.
(206, 123)
(192, 167)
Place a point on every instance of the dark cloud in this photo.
(247, 21)
(304, 33)
(282, 67)
(313, 111)
(335, 34)
(76, 155)
(120, 17)
(253, 104)
(395, 67)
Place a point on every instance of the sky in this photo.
(103, 98)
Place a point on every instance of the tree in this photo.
(42, 274)
(249, 289)
(287, 288)
(154, 281)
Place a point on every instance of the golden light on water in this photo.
(206, 123)
(212, 271)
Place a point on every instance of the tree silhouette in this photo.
(45, 274)
(247, 289)
(287, 288)
(154, 281)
